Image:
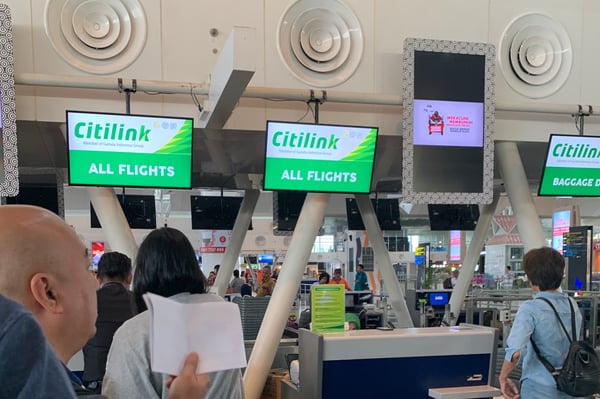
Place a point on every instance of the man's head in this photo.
(266, 273)
(45, 266)
(337, 274)
(236, 273)
(507, 268)
(114, 266)
(544, 267)
(454, 273)
(359, 268)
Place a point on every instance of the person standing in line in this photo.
(338, 279)
(236, 283)
(509, 278)
(536, 321)
(360, 280)
(115, 305)
(267, 285)
(212, 276)
(165, 265)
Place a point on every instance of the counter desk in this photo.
(395, 363)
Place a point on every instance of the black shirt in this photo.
(115, 306)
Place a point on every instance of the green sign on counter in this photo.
(328, 307)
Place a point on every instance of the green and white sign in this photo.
(572, 167)
(129, 150)
(319, 158)
(327, 303)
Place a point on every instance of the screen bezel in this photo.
(275, 188)
(191, 162)
(485, 196)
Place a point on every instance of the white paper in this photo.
(212, 329)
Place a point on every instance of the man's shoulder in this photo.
(11, 313)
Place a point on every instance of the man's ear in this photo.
(129, 278)
(44, 291)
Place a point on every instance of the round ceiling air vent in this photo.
(320, 42)
(260, 241)
(96, 36)
(535, 55)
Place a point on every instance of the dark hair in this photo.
(338, 270)
(245, 290)
(114, 265)
(360, 265)
(324, 275)
(236, 273)
(217, 267)
(166, 265)
(544, 267)
(507, 267)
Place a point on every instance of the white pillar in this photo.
(240, 229)
(517, 188)
(286, 288)
(486, 214)
(382, 258)
(113, 220)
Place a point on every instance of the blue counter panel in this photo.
(407, 377)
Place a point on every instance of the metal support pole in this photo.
(382, 258)
(517, 188)
(288, 282)
(472, 256)
(240, 228)
(113, 221)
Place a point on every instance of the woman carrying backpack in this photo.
(535, 321)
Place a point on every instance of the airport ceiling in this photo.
(231, 159)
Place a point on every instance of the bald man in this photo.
(45, 267)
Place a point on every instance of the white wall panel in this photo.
(566, 14)
(590, 55)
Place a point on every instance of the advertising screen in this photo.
(448, 114)
(319, 158)
(129, 150)
(572, 167)
(561, 222)
(455, 246)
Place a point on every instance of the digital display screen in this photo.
(319, 158)
(561, 222)
(455, 246)
(572, 167)
(448, 112)
(97, 252)
(265, 259)
(129, 150)
(438, 298)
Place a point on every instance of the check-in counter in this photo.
(395, 363)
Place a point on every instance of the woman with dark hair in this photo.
(165, 265)
(536, 322)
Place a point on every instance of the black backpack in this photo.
(580, 373)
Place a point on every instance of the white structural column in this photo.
(517, 188)
(236, 240)
(382, 258)
(486, 214)
(113, 221)
(288, 282)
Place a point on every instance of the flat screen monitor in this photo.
(386, 209)
(448, 118)
(438, 298)
(562, 221)
(286, 209)
(446, 217)
(97, 252)
(215, 213)
(45, 196)
(139, 210)
(121, 150)
(319, 158)
(265, 259)
(572, 167)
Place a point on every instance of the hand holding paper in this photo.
(211, 329)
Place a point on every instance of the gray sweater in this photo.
(128, 374)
